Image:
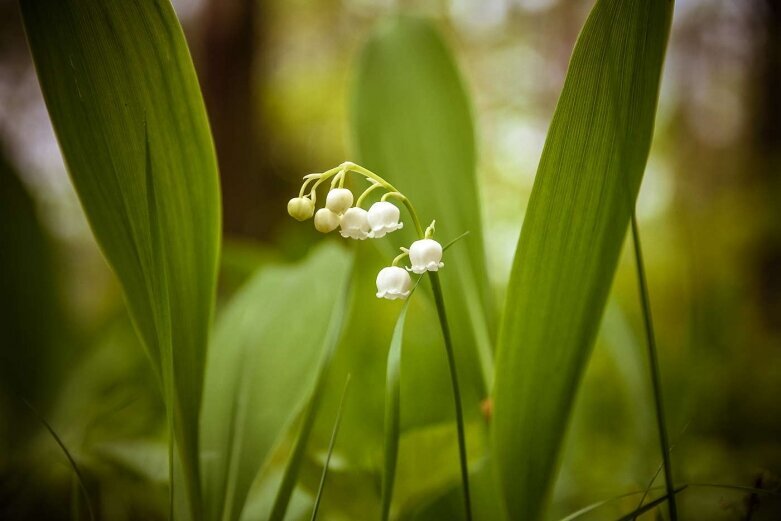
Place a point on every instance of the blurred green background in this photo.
(275, 76)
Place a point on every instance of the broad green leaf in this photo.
(412, 125)
(392, 412)
(125, 104)
(295, 460)
(586, 185)
(269, 345)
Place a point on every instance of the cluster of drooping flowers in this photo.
(382, 218)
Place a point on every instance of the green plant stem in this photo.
(655, 372)
(71, 461)
(334, 434)
(451, 359)
(385, 184)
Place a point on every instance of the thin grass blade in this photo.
(650, 505)
(331, 444)
(656, 377)
(68, 455)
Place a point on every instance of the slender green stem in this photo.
(304, 186)
(68, 455)
(451, 359)
(366, 192)
(398, 257)
(440, 302)
(388, 195)
(334, 434)
(320, 180)
(371, 175)
(336, 179)
(451, 243)
(655, 372)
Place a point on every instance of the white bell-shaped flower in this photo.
(300, 208)
(384, 218)
(393, 283)
(339, 200)
(425, 255)
(355, 224)
(326, 221)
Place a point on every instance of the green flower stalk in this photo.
(393, 282)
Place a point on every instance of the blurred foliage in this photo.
(708, 210)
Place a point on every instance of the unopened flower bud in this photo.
(300, 208)
(355, 224)
(339, 200)
(326, 221)
(383, 218)
(393, 283)
(425, 255)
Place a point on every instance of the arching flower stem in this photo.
(307, 179)
(388, 195)
(399, 257)
(371, 175)
(321, 178)
(440, 303)
(366, 192)
(389, 281)
(338, 178)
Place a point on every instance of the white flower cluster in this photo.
(353, 221)
(382, 218)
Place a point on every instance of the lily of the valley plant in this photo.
(393, 282)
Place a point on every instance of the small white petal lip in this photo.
(339, 200)
(425, 255)
(393, 283)
(383, 219)
(326, 221)
(300, 208)
(355, 224)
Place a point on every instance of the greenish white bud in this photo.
(339, 200)
(326, 221)
(300, 208)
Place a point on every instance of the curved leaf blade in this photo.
(314, 403)
(586, 185)
(412, 124)
(268, 347)
(120, 88)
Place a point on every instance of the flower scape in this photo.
(382, 217)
